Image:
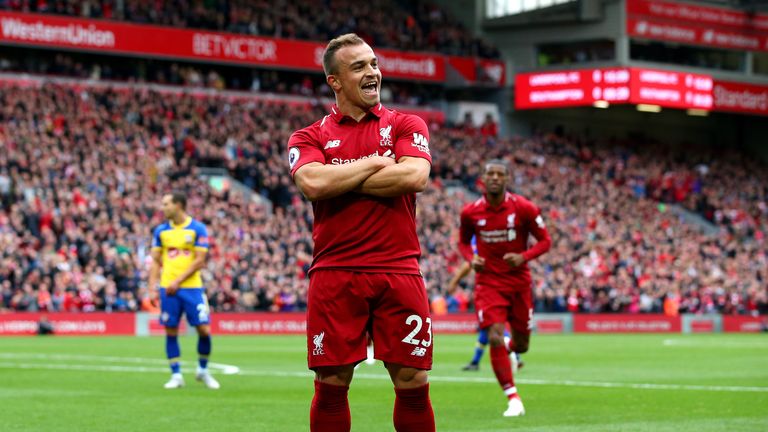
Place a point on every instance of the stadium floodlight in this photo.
(601, 104)
(648, 108)
(698, 112)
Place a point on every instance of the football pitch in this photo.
(569, 383)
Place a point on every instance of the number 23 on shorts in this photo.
(418, 323)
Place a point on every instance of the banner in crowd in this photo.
(481, 71)
(96, 323)
(744, 324)
(295, 323)
(265, 323)
(621, 323)
(697, 25)
(259, 323)
(111, 37)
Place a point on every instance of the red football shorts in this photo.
(344, 306)
(495, 305)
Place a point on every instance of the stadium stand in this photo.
(84, 165)
(193, 75)
(415, 25)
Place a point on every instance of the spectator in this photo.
(79, 187)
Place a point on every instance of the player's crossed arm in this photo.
(414, 161)
(408, 175)
(318, 181)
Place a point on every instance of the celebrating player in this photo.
(503, 223)
(179, 247)
(361, 166)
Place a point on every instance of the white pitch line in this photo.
(224, 368)
(720, 344)
(433, 378)
(107, 359)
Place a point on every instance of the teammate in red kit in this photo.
(361, 166)
(502, 223)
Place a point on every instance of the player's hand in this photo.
(514, 259)
(478, 263)
(172, 288)
(384, 161)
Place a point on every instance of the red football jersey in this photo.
(354, 231)
(498, 231)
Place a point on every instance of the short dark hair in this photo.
(500, 162)
(337, 43)
(180, 198)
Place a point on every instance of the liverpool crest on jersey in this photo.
(386, 136)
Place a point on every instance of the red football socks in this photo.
(330, 409)
(502, 367)
(413, 410)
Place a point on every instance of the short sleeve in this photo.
(201, 237)
(412, 138)
(303, 148)
(156, 242)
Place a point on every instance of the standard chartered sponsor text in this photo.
(422, 67)
(740, 98)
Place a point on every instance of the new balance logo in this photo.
(419, 352)
(332, 144)
(318, 341)
(420, 142)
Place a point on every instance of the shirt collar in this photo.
(186, 222)
(508, 197)
(376, 111)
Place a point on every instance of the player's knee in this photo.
(203, 331)
(521, 344)
(335, 375)
(172, 331)
(496, 340)
(407, 377)
(496, 335)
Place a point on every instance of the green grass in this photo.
(54, 384)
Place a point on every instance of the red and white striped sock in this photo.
(502, 367)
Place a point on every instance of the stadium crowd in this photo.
(419, 25)
(84, 168)
(193, 75)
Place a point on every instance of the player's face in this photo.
(170, 208)
(495, 179)
(358, 76)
